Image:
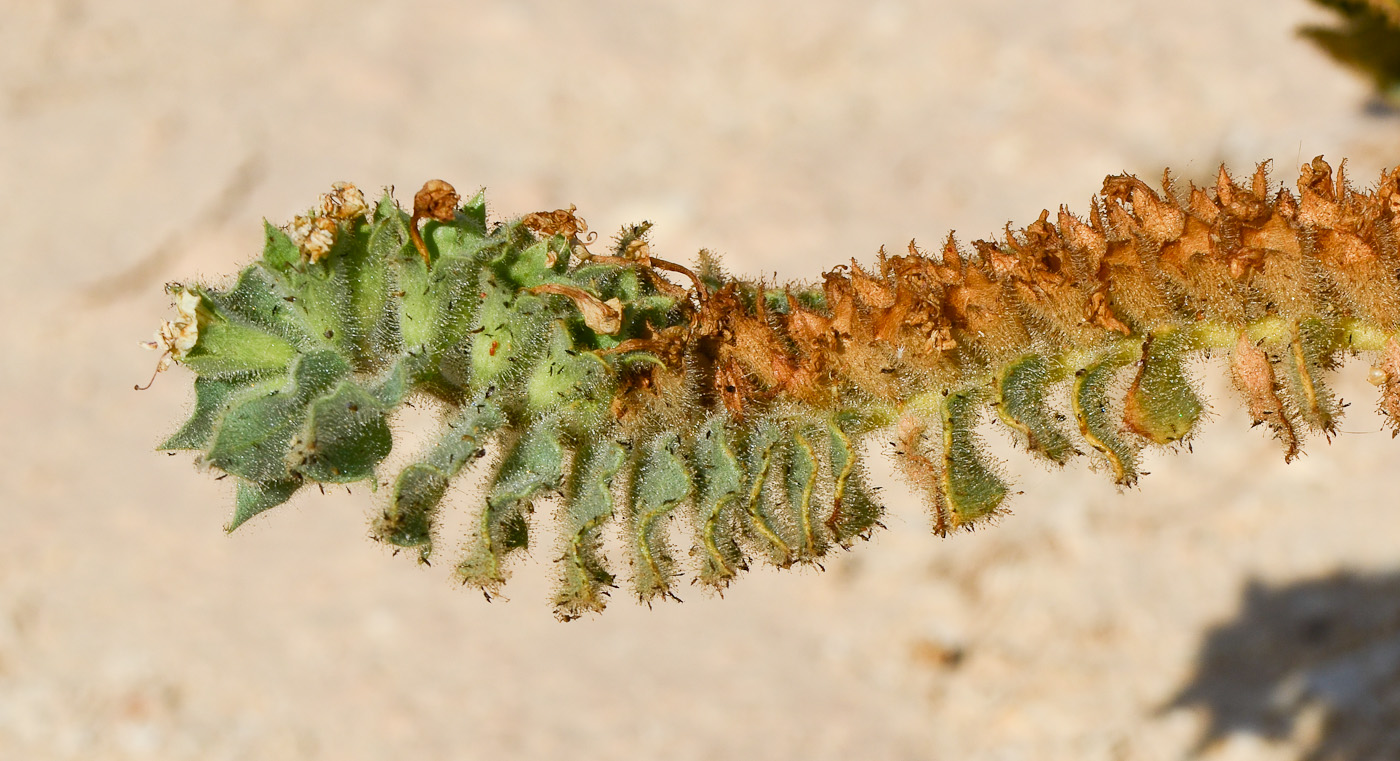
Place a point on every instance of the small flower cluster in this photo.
(314, 233)
(175, 338)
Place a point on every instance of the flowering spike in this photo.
(746, 406)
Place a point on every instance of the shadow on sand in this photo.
(1316, 662)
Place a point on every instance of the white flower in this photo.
(314, 236)
(345, 203)
(176, 337)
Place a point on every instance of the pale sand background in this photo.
(142, 141)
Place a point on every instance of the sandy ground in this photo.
(142, 141)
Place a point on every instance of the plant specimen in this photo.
(640, 395)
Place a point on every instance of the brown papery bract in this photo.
(1281, 281)
(1139, 261)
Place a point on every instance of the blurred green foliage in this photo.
(1367, 39)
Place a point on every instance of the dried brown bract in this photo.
(558, 222)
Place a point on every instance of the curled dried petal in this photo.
(436, 200)
(601, 316)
